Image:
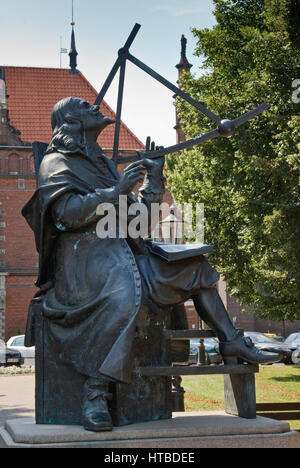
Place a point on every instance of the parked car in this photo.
(264, 343)
(296, 356)
(293, 341)
(9, 357)
(275, 337)
(212, 352)
(17, 343)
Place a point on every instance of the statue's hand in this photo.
(154, 166)
(131, 176)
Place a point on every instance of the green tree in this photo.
(250, 182)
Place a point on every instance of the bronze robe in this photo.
(93, 288)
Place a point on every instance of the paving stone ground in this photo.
(16, 397)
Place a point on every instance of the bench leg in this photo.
(240, 396)
(177, 395)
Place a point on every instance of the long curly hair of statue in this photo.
(68, 131)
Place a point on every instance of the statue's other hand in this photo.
(154, 166)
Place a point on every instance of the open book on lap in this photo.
(173, 252)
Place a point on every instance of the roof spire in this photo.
(73, 52)
(182, 66)
(183, 46)
(184, 63)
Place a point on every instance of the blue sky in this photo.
(30, 36)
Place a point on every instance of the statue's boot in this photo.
(95, 414)
(242, 349)
(233, 348)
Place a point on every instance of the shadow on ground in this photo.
(287, 378)
(14, 413)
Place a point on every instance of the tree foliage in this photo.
(250, 182)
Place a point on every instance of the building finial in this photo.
(183, 46)
(182, 66)
(72, 22)
(184, 63)
(73, 52)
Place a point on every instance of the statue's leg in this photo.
(234, 348)
(95, 413)
(211, 309)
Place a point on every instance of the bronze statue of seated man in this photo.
(91, 288)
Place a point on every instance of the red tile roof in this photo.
(33, 93)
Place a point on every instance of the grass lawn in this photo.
(274, 384)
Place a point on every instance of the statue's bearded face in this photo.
(74, 121)
(90, 116)
(78, 110)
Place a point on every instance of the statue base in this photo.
(59, 388)
(185, 430)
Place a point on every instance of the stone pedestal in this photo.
(185, 430)
(59, 388)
